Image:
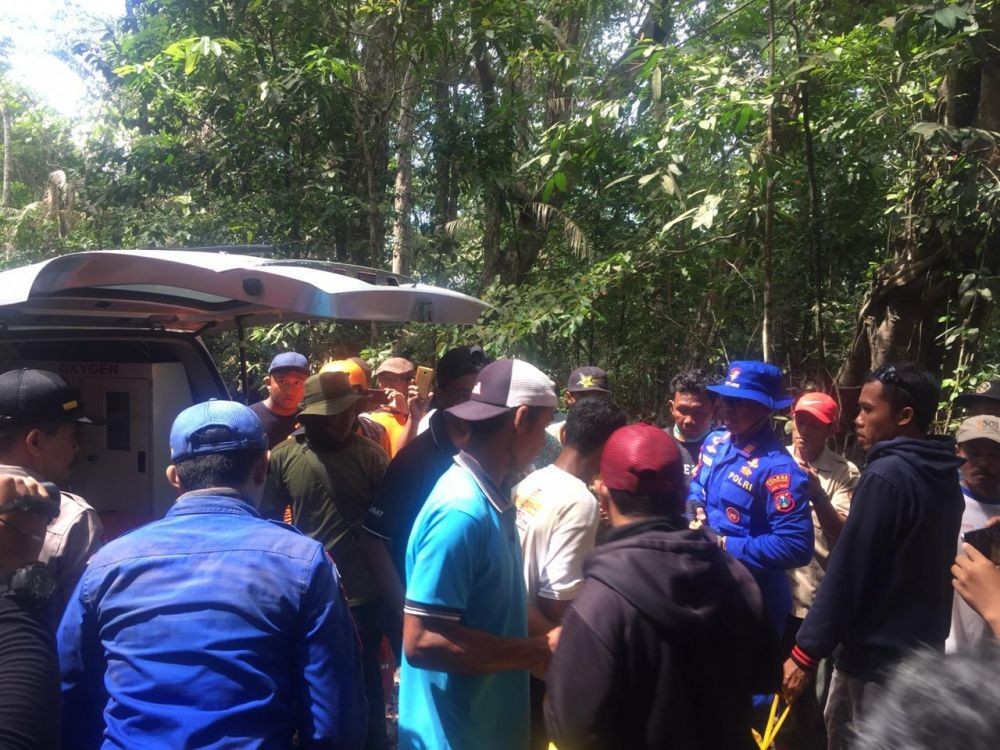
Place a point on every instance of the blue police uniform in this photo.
(756, 496)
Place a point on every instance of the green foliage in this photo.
(598, 171)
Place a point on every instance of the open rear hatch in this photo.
(196, 290)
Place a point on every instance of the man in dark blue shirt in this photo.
(412, 475)
(212, 627)
(887, 588)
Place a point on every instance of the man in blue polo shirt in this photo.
(750, 489)
(466, 645)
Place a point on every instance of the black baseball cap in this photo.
(988, 389)
(459, 362)
(588, 380)
(32, 396)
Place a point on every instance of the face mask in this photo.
(685, 439)
(31, 583)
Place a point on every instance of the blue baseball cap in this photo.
(289, 361)
(756, 381)
(215, 427)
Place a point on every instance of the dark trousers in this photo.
(539, 734)
(366, 618)
(850, 698)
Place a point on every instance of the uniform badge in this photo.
(784, 502)
(983, 387)
(587, 381)
(778, 482)
(734, 373)
(744, 484)
(753, 463)
(733, 515)
(746, 471)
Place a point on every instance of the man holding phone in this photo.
(978, 441)
(395, 413)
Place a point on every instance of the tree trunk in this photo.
(445, 188)
(5, 116)
(919, 308)
(765, 329)
(402, 235)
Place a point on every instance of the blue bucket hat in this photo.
(237, 429)
(756, 381)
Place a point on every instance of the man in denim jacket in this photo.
(212, 627)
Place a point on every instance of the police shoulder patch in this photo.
(783, 502)
(778, 482)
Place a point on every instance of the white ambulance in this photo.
(123, 327)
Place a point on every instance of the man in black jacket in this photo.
(887, 587)
(668, 639)
(29, 670)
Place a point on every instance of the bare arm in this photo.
(447, 646)
(553, 611)
(416, 409)
(977, 580)
(539, 621)
(831, 521)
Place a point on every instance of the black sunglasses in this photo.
(889, 375)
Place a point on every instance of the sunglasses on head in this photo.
(889, 375)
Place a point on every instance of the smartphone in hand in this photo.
(424, 377)
(986, 541)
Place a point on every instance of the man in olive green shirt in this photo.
(328, 475)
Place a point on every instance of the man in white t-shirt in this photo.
(978, 441)
(557, 520)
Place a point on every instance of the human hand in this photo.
(700, 518)
(553, 636)
(816, 492)
(546, 645)
(794, 681)
(417, 406)
(396, 402)
(12, 487)
(26, 508)
(977, 580)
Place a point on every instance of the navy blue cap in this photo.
(289, 361)
(215, 427)
(756, 381)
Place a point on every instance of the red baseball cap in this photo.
(642, 459)
(818, 404)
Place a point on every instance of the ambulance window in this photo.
(116, 409)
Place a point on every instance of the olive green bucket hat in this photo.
(329, 393)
